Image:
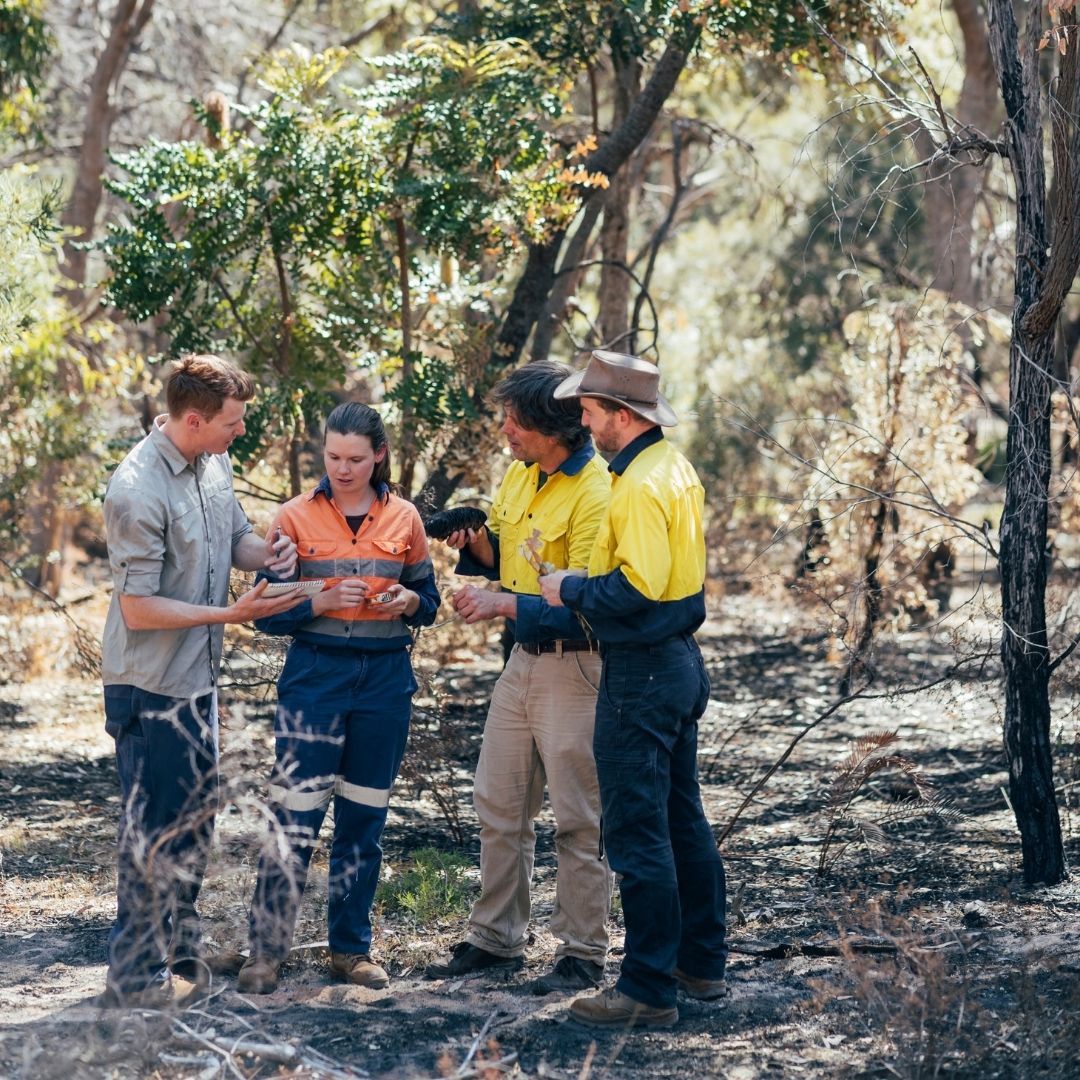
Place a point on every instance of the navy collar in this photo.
(573, 464)
(578, 460)
(323, 488)
(622, 459)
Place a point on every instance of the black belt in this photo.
(558, 646)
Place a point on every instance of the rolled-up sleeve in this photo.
(136, 530)
(240, 524)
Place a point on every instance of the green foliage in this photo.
(49, 391)
(797, 29)
(435, 887)
(27, 228)
(281, 244)
(571, 37)
(25, 45)
(575, 36)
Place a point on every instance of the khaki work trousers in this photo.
(540, 728)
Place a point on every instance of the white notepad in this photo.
(304, 588)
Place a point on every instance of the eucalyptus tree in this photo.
(303, 237)
(625, 60)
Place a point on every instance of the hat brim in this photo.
(661, 413)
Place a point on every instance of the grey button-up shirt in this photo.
(171, 528)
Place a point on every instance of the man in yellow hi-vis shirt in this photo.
(540, 723)
(644, 598)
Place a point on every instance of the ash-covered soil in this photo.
(917, 953)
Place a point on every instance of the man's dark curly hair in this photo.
(530, 393)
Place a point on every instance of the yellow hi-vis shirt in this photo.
(647, 569)
(563, 514)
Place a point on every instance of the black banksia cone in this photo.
(439, 526)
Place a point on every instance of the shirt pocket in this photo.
(512, 523)
(389, 556)
(553, 543)
(318, 558)
(186, 546)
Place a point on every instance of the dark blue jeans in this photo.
(655, 832)
(167, 763)
(341, 728)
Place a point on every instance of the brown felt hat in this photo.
(626, 380)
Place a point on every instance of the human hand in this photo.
(550, 585)
(347, 593)
(402, 602)
(461, 538)
(254, 604)
(281, 553)
(480, 604)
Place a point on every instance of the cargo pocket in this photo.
(629, 787)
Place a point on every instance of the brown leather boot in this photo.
(258, 976)
(611, 1009)
(700, 989)
(359, 969)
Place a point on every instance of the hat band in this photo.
(587, 391)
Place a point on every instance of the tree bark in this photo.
(566, 283)
(614, 291)
(951, 193)
(1025, 647)
(128, 21)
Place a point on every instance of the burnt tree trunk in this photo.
(1046, 263)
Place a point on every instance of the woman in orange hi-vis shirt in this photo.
(344, 695)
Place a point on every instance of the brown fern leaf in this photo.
(866, 745)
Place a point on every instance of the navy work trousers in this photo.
(341, 728)
(656, 835)
(167, 761)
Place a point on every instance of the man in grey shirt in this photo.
(174, 529)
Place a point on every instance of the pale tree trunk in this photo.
(614, 291)
(951, 193)
(1046, 264)
(128, 21)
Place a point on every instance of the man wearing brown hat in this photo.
(644, 598)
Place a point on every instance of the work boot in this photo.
(469, 959)
(259, 975)
(700, 989)
(200, 968)
(569, 973)
(359, 969)
(612, 1009)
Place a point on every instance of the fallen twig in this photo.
(784, 950)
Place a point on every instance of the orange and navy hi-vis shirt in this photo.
(389, 547)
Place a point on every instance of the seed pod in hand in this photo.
(439, 526)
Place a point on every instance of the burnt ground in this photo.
(918, 953)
